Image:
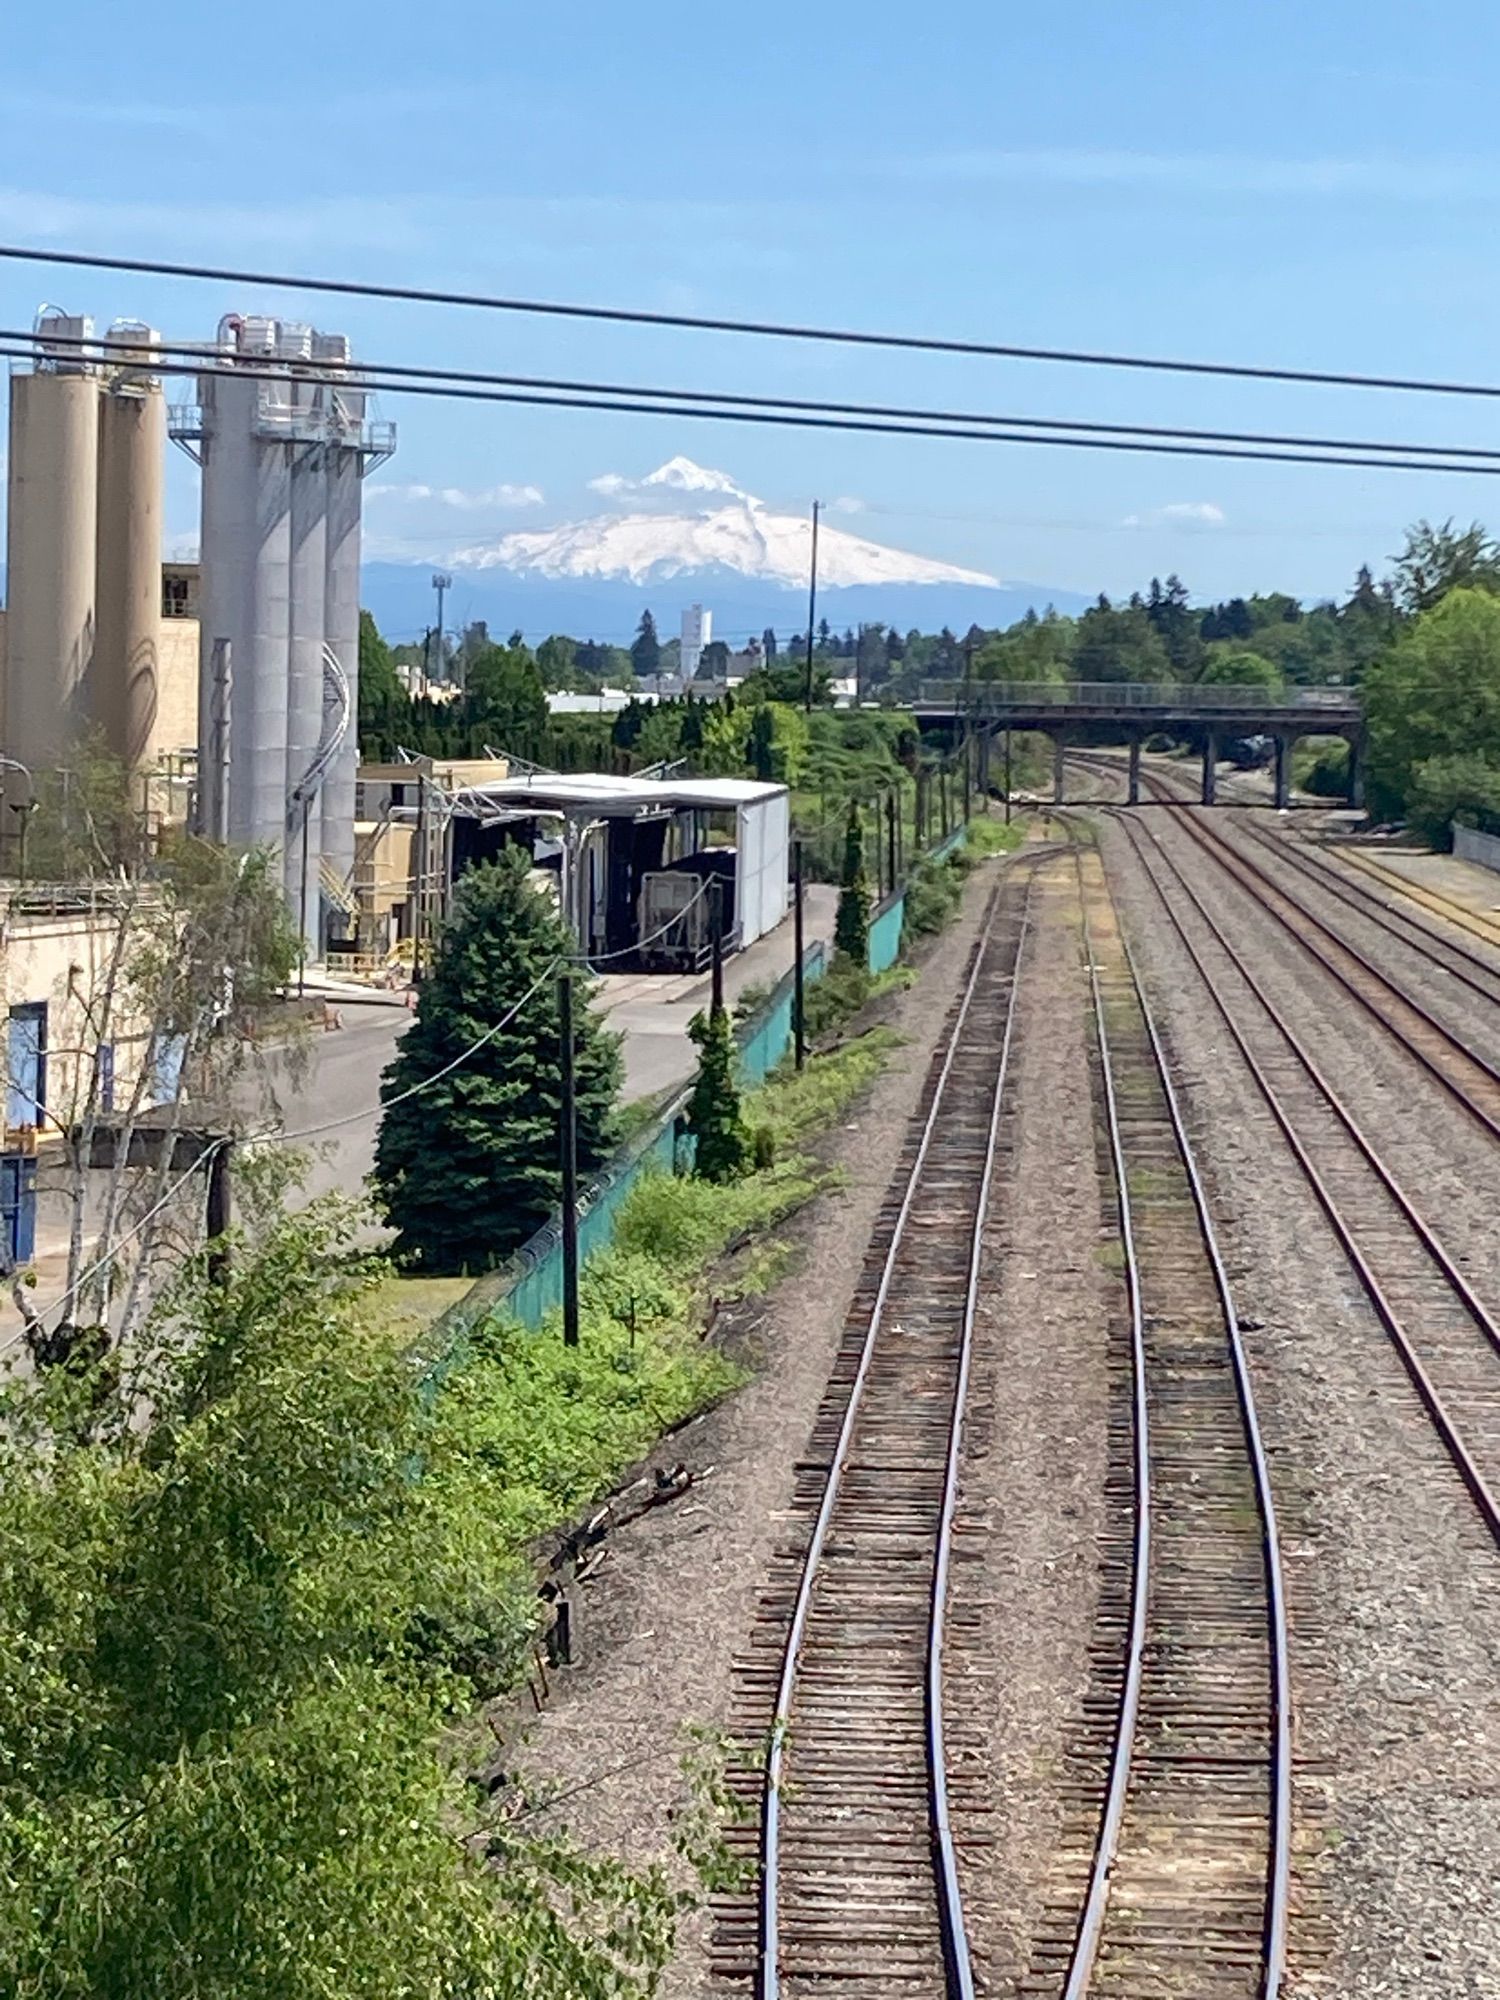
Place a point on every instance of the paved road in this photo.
(338, 1083)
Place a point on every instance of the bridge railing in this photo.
(991, 697)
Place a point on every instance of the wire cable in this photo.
(401, 379)
(634, 407)
(194, 357)
(762, 329)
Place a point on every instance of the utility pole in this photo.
(441, 583)
(1007, 774)
(216, 1222)
(812, 610)
(892, 819)
(418, 879)
(716, 945)
(569, 1159)
(799, 1029)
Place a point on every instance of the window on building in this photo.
(26, 1066)
(174, 597)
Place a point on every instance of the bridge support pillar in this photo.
(1210, 767)
(1283, 769)
(1134, 792)
(1356, 769)
(1059, 752)
(986, 738)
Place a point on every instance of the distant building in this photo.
(697, 632)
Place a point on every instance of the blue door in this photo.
(18, 1205)
(26, 1066)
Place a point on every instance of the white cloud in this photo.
(612, 485)
(1179, 513)
(465, 497)
(846, 504)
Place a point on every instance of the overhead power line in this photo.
(1057, 432)
(191, 356)
(764, 329)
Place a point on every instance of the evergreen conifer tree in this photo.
(851, 926)
(713, 1116)
(467, 1169)
(645, 649)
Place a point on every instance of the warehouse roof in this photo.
(615, 798)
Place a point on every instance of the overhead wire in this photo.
(982, 431)
(194, 356)
(760, 329)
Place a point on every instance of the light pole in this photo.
(441, 583)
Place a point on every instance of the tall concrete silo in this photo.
(50, 544)
(303, 839)
(245, 574)
(122, 683)
(283, 454)
(347, 454)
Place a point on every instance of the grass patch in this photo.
(795, 1107)
(527, 1433)
(986, 835)
(399, 1307)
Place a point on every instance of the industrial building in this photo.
(633, 859)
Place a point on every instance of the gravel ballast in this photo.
(1392, 1575)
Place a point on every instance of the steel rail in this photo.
(1463, 1460)
(1278, 1877)
(1096, 1904)
(1278, 1888)
(1484, 979)
(957, 1965)
(1258, 883)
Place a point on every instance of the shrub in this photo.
(713, 1115)
(1444, 789)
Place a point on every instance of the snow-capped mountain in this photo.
(740, 534)
(689, 534)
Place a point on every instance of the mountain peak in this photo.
(727, 530)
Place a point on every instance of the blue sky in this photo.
(1314, 186)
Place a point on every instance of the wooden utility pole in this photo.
(716, 945)
(220, 1162)
(569, 1160)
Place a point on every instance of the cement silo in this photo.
(50, 544)
(122, 683)
(303, 838)
(283, 453)
(347, 455)
(245, 574)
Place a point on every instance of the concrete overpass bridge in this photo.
(1131, 711)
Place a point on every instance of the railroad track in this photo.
(1172, 1875)
(1479, 974)
(1468, 1077)
(842, 1698)
(1447, 1339)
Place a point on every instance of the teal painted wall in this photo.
(883, 941)
(530, 1286)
